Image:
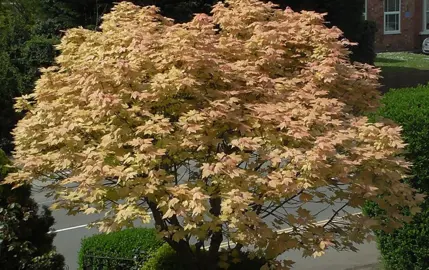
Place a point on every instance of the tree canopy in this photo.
(31, 28)
(215, 126)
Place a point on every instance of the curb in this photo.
(372, 266)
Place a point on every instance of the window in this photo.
(392, 16)
(365, 10)
(426, 15)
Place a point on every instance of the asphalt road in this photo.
(367, 256)
(72, 229)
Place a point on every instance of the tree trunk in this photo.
(216, 238)
(182, 247)
(184, 251)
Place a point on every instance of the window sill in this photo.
(392, 32)
(425, 32)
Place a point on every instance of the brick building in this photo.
(402, 24)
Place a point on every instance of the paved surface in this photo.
(68, 241)
(365, 259)
(72, 231)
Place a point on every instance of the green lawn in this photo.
(392, 61)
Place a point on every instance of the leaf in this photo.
(177, 236)
(305, 197)
(415, 210)
(90, 210)
(169, 214)
(318, 254)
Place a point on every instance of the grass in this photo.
(396, 61)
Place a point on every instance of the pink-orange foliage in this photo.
(214, 126)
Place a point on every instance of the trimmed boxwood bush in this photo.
(409, 108)
(408, 248)
(165, 258)
(122, 244)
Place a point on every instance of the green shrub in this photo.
(24, 239)
(408, 248)
(123, 244)
(48, 261)
(165, 258)
(409, 108)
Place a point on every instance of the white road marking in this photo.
(69, 228)
(226, 243)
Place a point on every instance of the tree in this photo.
(12, 33)
(64, 14)
(24, 233)
(22, 53)
(224, 128)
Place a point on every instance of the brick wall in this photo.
(419, 25)
(409, 39)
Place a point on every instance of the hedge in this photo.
(408, 248)
(165, 258)
(123, 244)
(409, 108)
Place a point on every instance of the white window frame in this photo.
(391, 13)
(425, 18)
(365, 13)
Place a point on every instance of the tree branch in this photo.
(182, 247)
(216, 238)
(335, 214)
(157, 215)
(269, 212)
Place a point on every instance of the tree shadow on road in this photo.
(401, 77)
